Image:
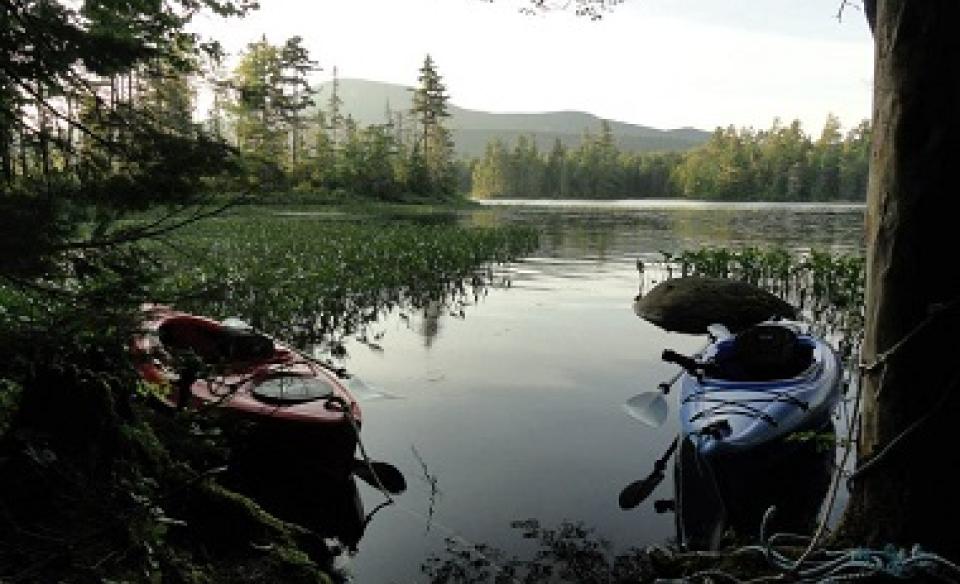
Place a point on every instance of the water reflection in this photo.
(515, 409)
(729, 497)
(430, 321)
(620, 227)
(329, 505)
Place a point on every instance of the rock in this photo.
(689, 305)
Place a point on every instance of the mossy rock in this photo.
(689, 305)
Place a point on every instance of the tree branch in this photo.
(151, 231)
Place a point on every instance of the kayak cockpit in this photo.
(762, 353)
(214, 342)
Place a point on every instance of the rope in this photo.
(860, 563)
(913, 427)
(864, 368)
(337, 402)
(933, 313)
(840, 565)
(453, 536)
(879, 362)
(835, 484)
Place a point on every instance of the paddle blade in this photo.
(364, 392)
(649, 408)
(637, 491)
(389, 476)
(718, 331)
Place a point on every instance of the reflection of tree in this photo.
(697, 225)
(595, 233)
(430, 321)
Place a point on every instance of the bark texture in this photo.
(909, 495)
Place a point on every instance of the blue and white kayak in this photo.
(750, 389)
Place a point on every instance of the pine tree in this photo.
(272, 92)
(429, 108)
(295, 94)
(334, 115)
(254, 110)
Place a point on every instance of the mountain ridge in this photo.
(367, 102)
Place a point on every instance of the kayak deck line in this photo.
(763, 383)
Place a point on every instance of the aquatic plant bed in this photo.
(315, 277)
(827, 287)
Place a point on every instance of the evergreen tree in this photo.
(825, 161)
(322, 160)
(489, 173)
(255, 116)
(855, 162)
(555, 182)
(272, 93)
(295, 95)
(429, 108)
(334, 114)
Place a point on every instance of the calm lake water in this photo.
(512, 411)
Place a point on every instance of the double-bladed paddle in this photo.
(379, 474)
(637, 491)
(650, 407)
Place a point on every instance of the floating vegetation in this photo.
(314, 281)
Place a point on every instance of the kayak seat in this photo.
(185, 334)
(214, 344)
(763, 353)
(244, 345)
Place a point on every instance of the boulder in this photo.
(690, 304)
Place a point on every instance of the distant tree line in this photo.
(779, 164)
(290, 143)
(120, 129)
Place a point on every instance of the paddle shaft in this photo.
(666, 385)
(662, 461)
(638, 491)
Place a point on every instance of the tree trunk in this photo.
(907, 495)
(24, 168)
(68, 151)
(6, 144)
(43, 133)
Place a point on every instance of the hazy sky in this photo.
(660, 63)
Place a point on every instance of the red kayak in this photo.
(299, 408)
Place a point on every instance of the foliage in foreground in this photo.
(95, 485)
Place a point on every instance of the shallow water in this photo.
(513, 410)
